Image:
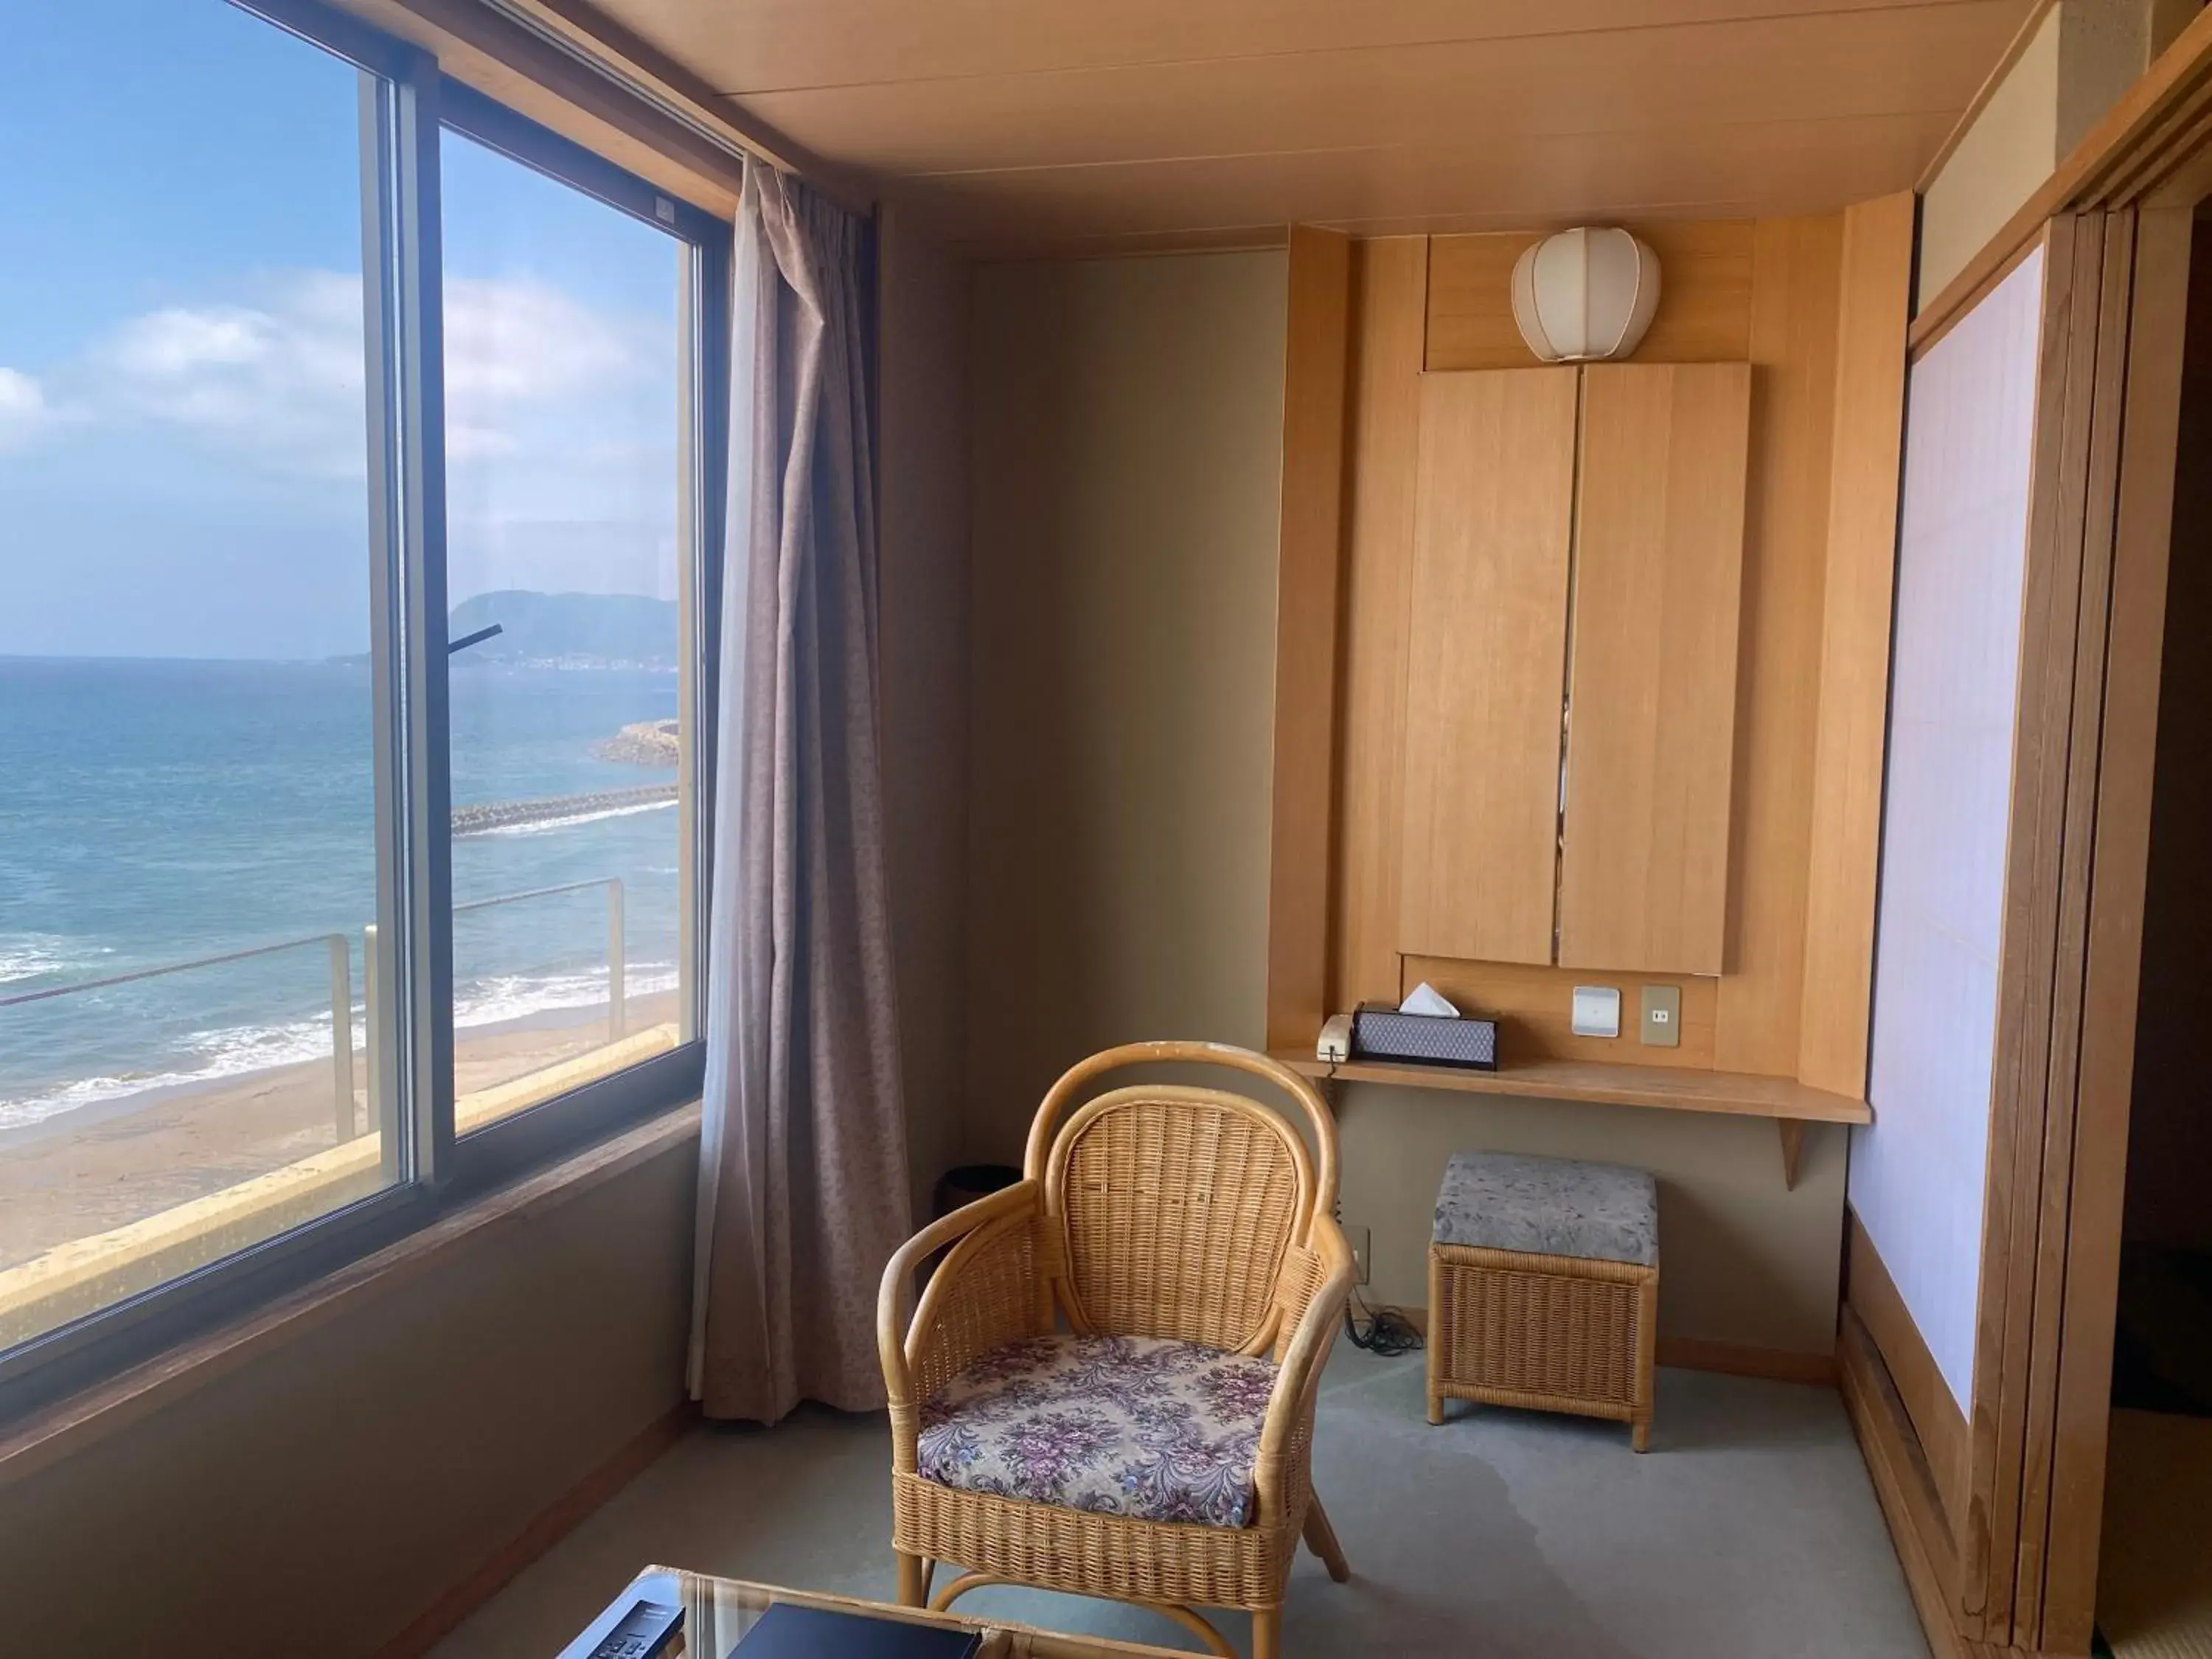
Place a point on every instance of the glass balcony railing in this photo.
(341, 1037)
(272, 1147)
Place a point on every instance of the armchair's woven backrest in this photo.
(1179, 1211)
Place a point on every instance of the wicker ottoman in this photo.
(1543, 1288)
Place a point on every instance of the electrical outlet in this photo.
(1663, 1016)
(1358, 1238)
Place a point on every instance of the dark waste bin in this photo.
(969, 1182)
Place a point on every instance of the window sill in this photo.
(50, 1435)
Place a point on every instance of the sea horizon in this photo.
(157, 809)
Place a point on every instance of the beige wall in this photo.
(2105, 47)
(2009, 151)
(325, 1492)
(1744, 1260)
(1127, 460)
(2083, 56)
(922, 499)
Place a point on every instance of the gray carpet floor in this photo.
(1749, 1529)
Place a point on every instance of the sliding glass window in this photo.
(355, 443)
(568, 564)
(189, 859)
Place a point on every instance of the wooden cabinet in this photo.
(1570, 683)
(1485, 661)
(1651, 682)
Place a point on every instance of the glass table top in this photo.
(718, 1612)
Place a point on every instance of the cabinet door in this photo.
(1652, 684)
(1487, 663)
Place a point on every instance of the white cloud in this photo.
(281, 381)
(23, 408)
(560, 416)
(519, 347)
(560, 430)
(523, 341)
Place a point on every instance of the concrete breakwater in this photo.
(511, 814)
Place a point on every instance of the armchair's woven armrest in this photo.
(986, 1291)
(1314, 1312)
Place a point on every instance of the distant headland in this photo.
(563, 630)
(567, 630)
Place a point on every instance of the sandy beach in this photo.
(83, 1172)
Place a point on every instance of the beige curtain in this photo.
(802, 1172)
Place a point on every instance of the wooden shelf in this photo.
(1790, 1105)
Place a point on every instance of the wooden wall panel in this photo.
(1845, 832)
(1935, 1416)
(1793, 341)
(1308, 550)
(1658, 585)
(1705, 277)
(1906, 1487)
(1389, 307)
(1492, 524)
(1532, 1006)
(1767, 291)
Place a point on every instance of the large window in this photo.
(565, 321)
(353, 451)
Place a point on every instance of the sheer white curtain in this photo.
(803, 1191)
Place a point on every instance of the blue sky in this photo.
(181, 469)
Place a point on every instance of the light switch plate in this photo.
(1597, 1010)
(1663, 1017)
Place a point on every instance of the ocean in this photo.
(152, 812)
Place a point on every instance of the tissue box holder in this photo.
(1381, 1032)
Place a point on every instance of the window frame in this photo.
(608, 1104)
(406, 103)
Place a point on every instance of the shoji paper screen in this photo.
(1917, 1173)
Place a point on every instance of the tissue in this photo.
(1426, 1000)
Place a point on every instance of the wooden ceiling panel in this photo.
(1813, 167)
(743, 46)
(1822, 67)
(1015, 124)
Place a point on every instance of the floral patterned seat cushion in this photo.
(1135, 1425)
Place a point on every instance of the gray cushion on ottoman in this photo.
(1549, 1207)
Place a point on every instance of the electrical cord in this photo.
(1383, 1331)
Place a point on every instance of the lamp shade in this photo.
(1585, 294)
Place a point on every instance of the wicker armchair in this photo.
(1171, 1249)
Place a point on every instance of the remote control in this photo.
(641, 1633)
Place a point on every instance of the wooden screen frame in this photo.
(2087, 277)
(2071, 1522)
(2115, 221)
(2009, 1564)
(2048, 1396)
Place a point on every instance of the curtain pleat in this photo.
(803, 1187)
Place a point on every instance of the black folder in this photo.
(787, 1631)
